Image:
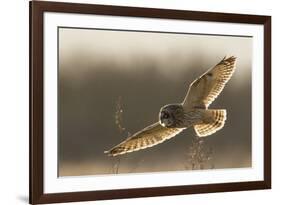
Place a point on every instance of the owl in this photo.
(192, 112)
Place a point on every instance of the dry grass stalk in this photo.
(199, 155)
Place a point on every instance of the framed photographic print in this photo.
(137, 102)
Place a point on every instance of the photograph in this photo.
(130, 102)
(133, 101)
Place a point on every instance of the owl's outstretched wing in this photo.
(148, 137)
(205, 89)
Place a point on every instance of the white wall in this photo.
(14, 100)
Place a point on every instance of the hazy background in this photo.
(147, 70)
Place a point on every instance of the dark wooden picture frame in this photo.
(37, 8)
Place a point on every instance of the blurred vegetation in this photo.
(198, 155)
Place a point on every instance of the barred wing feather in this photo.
(148, 137)
(205, 89)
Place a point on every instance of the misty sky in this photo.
(146, 70)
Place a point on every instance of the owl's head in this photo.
(169, 115)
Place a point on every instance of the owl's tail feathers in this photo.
(214, 121)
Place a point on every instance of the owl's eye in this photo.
(165, 115)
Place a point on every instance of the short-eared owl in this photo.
(193, 111)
